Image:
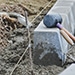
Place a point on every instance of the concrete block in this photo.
(67, 0)
(64, 3)
(49, 46)
(69, 71)
(73, 7)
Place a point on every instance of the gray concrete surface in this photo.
(69, 71)
(49, 46)
(47, 41)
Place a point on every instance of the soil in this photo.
(19, 37)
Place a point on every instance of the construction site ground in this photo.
(10, 55)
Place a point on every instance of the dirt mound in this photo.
(12, 53)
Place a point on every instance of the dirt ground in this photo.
(12, 53)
